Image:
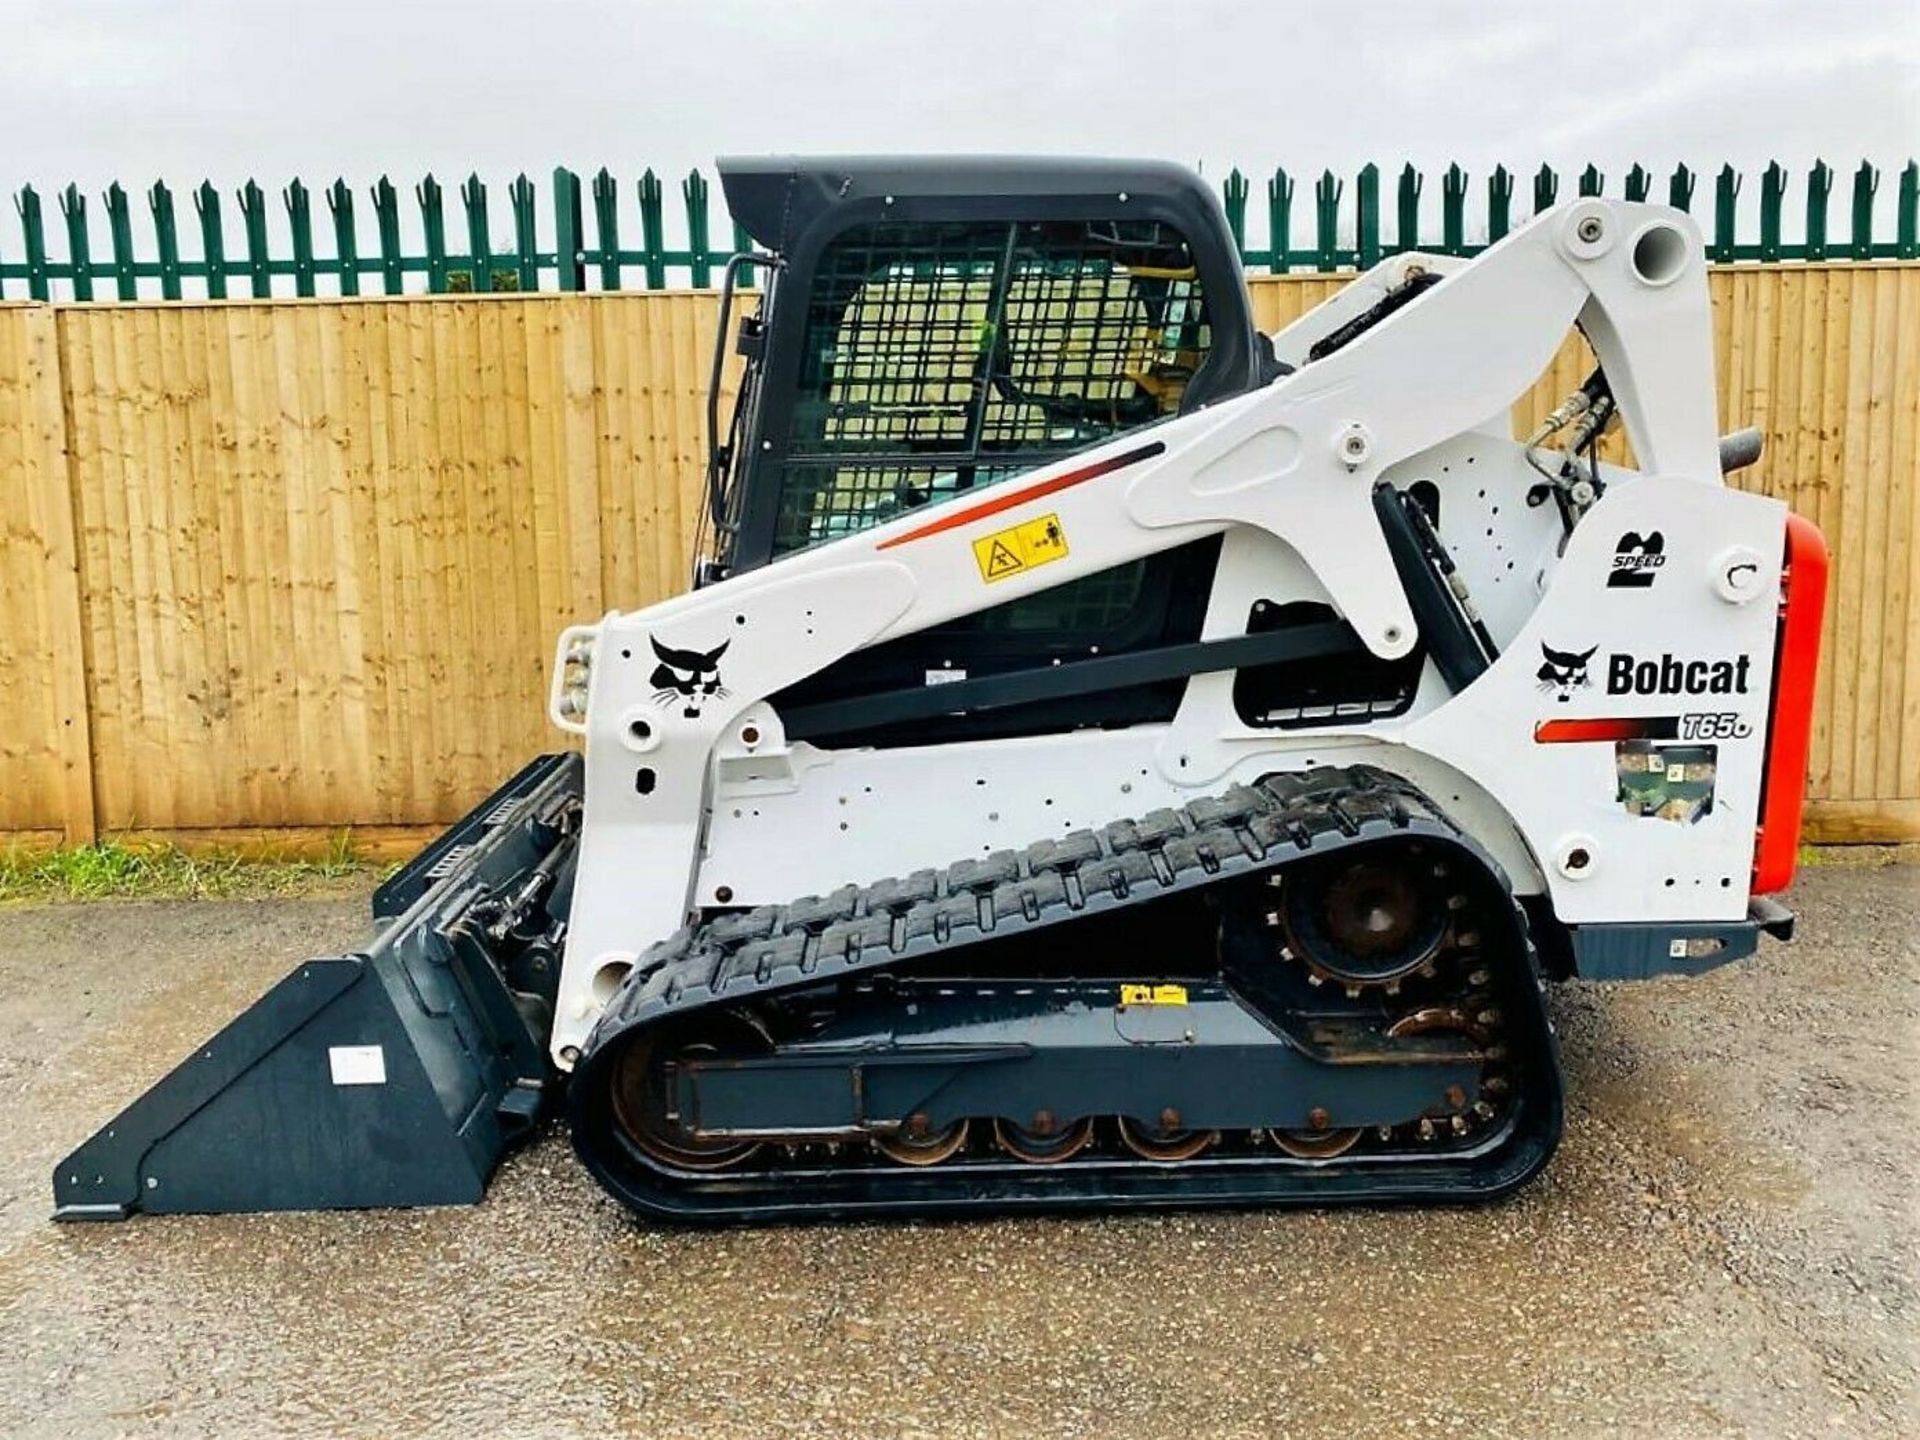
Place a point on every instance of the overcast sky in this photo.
(93, 90)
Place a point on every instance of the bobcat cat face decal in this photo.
(1564, 671)
(687, 678)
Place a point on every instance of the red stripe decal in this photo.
(1613, 727)
(1777, 845)
(995, 504)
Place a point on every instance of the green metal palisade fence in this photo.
(577, 261)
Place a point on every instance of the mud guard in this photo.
(395, 1076)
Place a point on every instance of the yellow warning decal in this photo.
(1153, 994)
(1021, 548)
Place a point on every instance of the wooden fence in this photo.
(276, 568)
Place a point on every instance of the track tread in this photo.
(1241, 831)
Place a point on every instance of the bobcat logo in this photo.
(1564, 672)
(688, 678)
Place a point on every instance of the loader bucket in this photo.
(394, 1076)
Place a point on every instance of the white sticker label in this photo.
(1676, 949)
(357, 1064)
(945, 677)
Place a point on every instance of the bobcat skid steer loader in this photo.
(1107, 757)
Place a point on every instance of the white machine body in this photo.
(696, 801)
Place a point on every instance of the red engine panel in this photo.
(1803, 601)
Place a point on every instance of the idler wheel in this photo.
(922, 1147)
(1367, 921)
(1164, 1143)
(1458, 1115)
(642, 1090)
(1047, 1143)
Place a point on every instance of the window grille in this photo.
(945, 357)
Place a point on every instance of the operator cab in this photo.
(930, 327)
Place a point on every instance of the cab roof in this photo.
(777, 198)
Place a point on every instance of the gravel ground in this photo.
(1725, 1245)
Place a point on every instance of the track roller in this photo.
(1167, 1144)
(1315, 1144)
(920, 1146)
(1046, 1144)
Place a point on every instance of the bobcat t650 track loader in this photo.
(1107, 756)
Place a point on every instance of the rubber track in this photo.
(1244, 832)
(1241, 832)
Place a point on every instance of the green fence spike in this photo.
(568, 245)
(473, 196)
(652, 231)
(700, 260)
(73, 207)
(1407, 209)
(346, 242)
(1592, 182)
(1453, 210)
(433, 224)
(1326, 205)
(1499, 203)
(120, 236)
(526, 237)
(253, 221)
(606, 227)
(1280, 222)
(1233, 196)
(1906, 245)
(1546, 187)
(1366, 217)
(1819, 189)
(33, 236)
(166, 237)
(1773, 195)
(1726, 194)
(213, 239)
(300, 226)
(386, 220)
(743, 245)
(1866, 180)
(1639, 182)
(1680, 188)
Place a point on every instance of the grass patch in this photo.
(118, 870)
